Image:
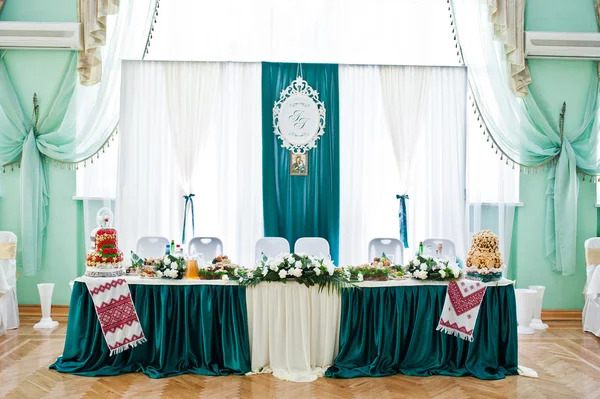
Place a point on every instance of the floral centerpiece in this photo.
(302, 268)
(172, 267)
(220, 268)
(432, 269)
(380, 269)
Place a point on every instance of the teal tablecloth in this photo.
(199, 329)
(391, 330)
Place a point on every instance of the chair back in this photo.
(151, 247)
(8, 261)
(271, 246)
(392, 247)
(448, 248)
(315, 246)
(209, 247)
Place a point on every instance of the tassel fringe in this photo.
(128, 346)
(451, 331)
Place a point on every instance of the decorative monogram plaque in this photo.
(299, 117)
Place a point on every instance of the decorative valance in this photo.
(92, 14)
(508, 20)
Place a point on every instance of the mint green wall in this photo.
(555, 81)
(40, 71)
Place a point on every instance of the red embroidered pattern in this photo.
(462, 304)
(454, 326)
(107, 286)
(116, 314)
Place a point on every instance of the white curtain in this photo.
(368, 173)
(368, 170)
(226, 171)
(493, 188)
(405, 32)
(191, 92)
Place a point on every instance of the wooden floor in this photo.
(567, 360)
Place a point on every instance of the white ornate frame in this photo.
(299, 87)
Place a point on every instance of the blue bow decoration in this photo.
(402, 217)
(188, 199)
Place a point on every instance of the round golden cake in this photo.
(485, 251)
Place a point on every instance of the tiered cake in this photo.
(105, 259)
(484, 258)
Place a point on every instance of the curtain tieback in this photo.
(188, 199)
(8, 250)
(592, 256)
(402, 218)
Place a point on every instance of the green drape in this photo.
(198, 329)
(302, 206)
(385, 331)
(20, 138)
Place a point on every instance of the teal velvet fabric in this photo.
(302, 206)
(198, 329)
(392, 330)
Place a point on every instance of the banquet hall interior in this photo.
(299, 199)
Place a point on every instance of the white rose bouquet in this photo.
(432, 269)
(172, 267)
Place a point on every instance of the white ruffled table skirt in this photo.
(293, 329)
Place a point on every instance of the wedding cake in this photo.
(104, 259)
(484, 259)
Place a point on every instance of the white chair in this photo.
(4, 288)
(448, 248)
(151, 247)
(209, 247)
(391, 246)
(8, 263)
(315, 246)
(271, 246)
(591, 309)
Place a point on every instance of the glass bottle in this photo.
(420, 247)
(167, 249)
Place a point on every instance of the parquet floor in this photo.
(567, 360)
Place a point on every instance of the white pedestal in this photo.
(45, 291)
(537, 323)
(525, 304)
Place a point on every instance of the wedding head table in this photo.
(296, 332)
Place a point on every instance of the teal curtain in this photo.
(198, 329)
(21, 138)
(302, 206)
(392, 330)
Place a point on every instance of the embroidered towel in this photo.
(116, 313)
(461, 308)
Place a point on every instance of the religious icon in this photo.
(299, 164)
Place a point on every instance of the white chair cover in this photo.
(448, 248)
(209, 247)
(391, 246)
(271, 246)
(9, 307)
(4, 288)
(151, 247)
(591, 309)
(315, 246)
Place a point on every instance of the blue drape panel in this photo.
(302, 206)
(198, 329)
(386, 331)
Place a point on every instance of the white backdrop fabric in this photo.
(227, 176)
(407, 32)
(369, 175)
